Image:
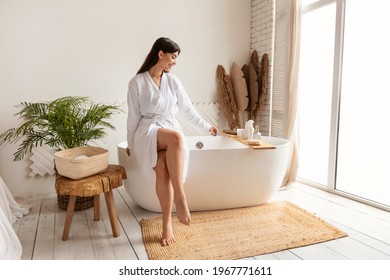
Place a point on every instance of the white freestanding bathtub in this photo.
(223, 174)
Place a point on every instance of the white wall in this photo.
(92, 48)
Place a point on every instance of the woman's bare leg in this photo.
(164, 192)
(172, 142)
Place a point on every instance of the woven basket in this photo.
(81, 162)
(82, 203)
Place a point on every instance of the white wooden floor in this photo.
(40, 232)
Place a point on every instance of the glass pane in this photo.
(363, 148)
(315, 92)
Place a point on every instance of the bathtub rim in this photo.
(277, 141)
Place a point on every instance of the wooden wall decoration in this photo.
(226, 98)
(245, 90)
(240, 90)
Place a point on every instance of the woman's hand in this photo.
(213, 131)
(128, 151)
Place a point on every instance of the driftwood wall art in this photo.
(254, 91)
(264, 80)
(226, 98)
(240, 89)
(244, 91)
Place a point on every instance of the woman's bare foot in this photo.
(167, 236)
(182, 211)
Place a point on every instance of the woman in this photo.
(155, 137)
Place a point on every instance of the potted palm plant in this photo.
(67, 122)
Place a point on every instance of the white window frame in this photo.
(336, 93)
(336, 88)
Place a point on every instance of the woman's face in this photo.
(167, 60)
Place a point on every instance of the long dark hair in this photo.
(165, 45)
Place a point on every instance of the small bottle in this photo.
(257, 134)
(240, 132)
(245, 133)
(251, 130)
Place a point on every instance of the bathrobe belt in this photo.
(160, 120)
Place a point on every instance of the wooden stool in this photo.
(94, 185)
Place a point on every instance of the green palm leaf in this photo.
(66, 122)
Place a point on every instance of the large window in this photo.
(344, 136)
(316, 70)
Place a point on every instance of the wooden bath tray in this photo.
(263, 145)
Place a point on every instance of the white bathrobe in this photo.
(151, 108)
(10, 211)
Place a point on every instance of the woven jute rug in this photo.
(238, 233)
